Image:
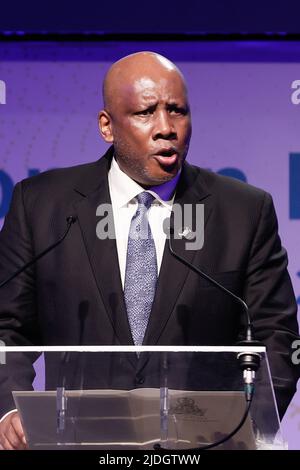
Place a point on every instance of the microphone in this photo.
(70, 220)
(249, 362)
(60, 396)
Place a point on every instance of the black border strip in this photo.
(6, 36)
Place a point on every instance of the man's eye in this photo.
(144, 112)
(178, 111)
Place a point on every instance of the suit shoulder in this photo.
(228, 187)
(59, 177)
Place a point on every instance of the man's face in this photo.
(151, 128)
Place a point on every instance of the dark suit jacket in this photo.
(79, 282)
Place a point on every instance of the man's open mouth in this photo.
(167, 156)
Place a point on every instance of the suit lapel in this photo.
(102, 253)
(191, 190)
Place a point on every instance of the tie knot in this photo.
(145, 199)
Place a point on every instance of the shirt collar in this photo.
(125, 189)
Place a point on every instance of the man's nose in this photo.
(164, 127)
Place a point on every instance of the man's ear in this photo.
(105, 126)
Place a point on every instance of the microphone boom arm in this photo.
(70, 220)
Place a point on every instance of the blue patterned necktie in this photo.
(141, 270)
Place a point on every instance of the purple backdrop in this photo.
(244, 121)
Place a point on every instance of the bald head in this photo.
(146, 117)
(132, 68)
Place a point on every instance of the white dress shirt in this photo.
(123, 191)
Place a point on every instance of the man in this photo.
(96, 290)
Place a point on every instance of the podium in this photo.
(149, 397)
